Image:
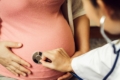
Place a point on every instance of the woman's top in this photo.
(96, 64)
(40, 26)
(71, 10)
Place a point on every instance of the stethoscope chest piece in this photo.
(37, 56)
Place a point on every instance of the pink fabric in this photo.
(40, 26)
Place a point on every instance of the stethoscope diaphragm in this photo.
(37, 56)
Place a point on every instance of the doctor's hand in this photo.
(60, 60)
(68, 75)
(10, 61)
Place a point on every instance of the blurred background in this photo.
(96, 39)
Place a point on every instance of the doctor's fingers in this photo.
(54, 54)
(47, 64)
(63, 52)
(60, 54)
(43, 58)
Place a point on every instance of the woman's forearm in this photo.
(82, 27)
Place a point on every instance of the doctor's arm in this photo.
(93, 65)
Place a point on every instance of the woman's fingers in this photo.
(12, 71)
(17, 71)
(11, 61)
(23, 70)
(19, 65)
(20, 61)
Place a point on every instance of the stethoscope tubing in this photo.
(115, 62)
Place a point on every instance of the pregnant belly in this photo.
(45, 39)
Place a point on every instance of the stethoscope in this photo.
(115, 51)
(37, 56)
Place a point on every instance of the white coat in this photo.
(95, 64)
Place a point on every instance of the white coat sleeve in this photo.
(95, 64)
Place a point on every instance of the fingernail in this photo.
(19, 44)
(40, 60)
(24, 75)
(17, 75)
(29, 66)
(29, 72)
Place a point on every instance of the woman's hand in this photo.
(60, 60)
(66, 76)
(12, 62)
